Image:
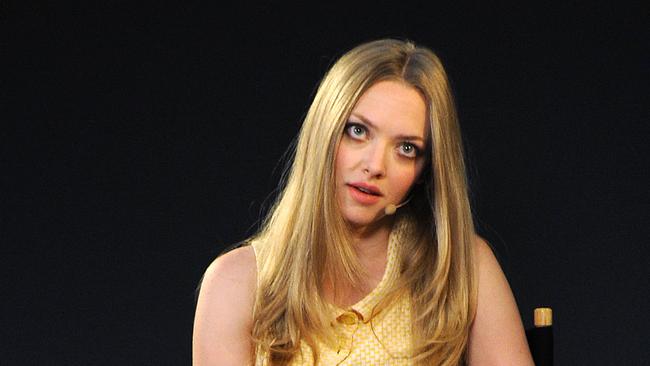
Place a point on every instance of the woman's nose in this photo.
(376, 160)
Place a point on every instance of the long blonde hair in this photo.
(304, 240)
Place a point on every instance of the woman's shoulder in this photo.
(497, 336)
(236, 267)
(483, 252)
(488, 269)
(224, 311)
(229, 283)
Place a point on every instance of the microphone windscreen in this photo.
(390, 209)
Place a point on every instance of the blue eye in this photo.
(355, 131)
(409, 150)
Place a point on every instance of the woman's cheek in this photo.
(405, 179)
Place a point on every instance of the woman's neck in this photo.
(367, 239)
(371, 246)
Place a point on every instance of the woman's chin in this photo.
(361, 220)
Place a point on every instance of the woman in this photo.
(369, 254)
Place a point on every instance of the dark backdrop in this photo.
(140, 141)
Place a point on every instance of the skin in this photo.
(374, 151)
(382, 146)
(497, 335)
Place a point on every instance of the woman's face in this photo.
(382, 151)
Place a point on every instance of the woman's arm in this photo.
(223, 319)
(497, 335)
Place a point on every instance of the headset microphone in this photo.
(391, 208)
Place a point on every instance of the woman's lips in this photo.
(363, 197)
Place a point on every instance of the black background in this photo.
(139, 141)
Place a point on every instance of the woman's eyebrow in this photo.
(373, 126)
(364, 120)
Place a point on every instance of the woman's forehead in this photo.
(394, 106)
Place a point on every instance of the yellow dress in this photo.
(383, 340)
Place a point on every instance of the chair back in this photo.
(540, 337)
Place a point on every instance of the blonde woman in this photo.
(369, 255)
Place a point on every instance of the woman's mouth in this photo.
(365, 190)
(364, 194)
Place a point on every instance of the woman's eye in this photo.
(355, 131)
(409, 150)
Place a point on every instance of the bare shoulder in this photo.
(490, 274)
(497, 335)
(231, 278)
(485, 259)
(223, 318)
(238, 266)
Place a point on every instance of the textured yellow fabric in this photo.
(383, 340)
